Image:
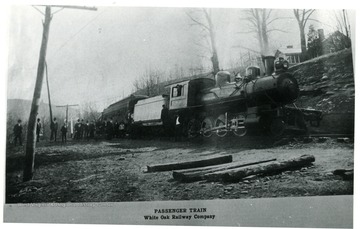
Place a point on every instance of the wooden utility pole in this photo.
(48, 89)
(67, 110)
(31, 140)
(31, 132)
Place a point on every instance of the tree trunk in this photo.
(190, 164)
(237, 174)
(31, 132)
(199, 173)
(303, 43)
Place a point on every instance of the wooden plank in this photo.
(273, 167)
(196, 174)
(189, 164)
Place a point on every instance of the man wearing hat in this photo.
(18, 132)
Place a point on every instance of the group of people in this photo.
(84, 130)
(54, 127)
(112, 129)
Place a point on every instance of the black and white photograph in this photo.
(191, 115)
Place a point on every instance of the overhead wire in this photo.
(75, 34)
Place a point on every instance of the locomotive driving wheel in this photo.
(238, 126)
(206, 126)
(220, 124)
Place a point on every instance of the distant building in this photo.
(334, 42)
(291, 54)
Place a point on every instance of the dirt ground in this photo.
(112, 171)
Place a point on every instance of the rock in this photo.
(244, 192)
(246, 181)
(121, 158)
(249, 177)
(323, 139)
(330, 93)
(343, 140)
(325, 77)
(229, 188)
(349, 85)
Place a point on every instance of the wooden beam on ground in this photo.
(273, 167)
(197, 174)
(190, 164)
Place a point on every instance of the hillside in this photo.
(20, 109)
(327, 84)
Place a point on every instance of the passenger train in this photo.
(207, 107)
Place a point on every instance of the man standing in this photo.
(86, 130)
(63, 133)
(91, 130)
(77, 129)
(165, 119)
(54, 128)
(178, 128)
(38, 130)
(18, 132)
(82, 127)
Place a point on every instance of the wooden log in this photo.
(190, 164)
(239, 173)
(196, 174)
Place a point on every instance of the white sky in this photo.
(94, 56)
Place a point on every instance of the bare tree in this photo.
(260, 24)
(148, 83)
(203, 18)
(90, 111)
(302, 17)
(342, 22)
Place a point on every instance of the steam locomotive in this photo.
(217, 106)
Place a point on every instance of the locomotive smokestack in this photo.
(269, 64)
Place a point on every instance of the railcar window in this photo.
(177, 91)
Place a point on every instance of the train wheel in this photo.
(193, 128)
(206, 127)
(277, 127)
(220, 122)
(239, 123)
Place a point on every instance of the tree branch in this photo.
(307, 18)
(278, 30)
(198, 22)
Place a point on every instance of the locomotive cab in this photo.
(188, 93)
